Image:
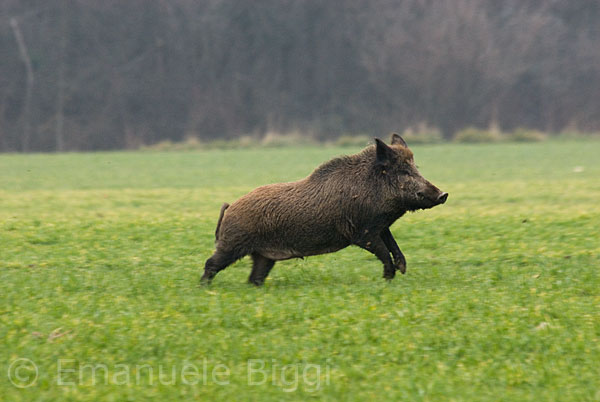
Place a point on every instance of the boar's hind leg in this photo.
(392, 246)
(261, 266)
(378, 247)
(218, 262)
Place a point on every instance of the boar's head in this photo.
(408, 189)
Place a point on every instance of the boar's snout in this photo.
(432, 196)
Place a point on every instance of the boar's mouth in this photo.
(425, 202)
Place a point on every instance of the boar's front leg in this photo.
(376, 246)
(393, 248)
(261, 266)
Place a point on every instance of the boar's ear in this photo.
(396, 139)
(384, 153)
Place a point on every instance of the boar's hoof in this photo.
(256, 282)
(401, 268)
(206, 279)
(388, 275)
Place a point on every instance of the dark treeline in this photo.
(88, 74)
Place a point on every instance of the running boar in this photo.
(350, 200)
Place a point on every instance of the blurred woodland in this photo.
(89, 75)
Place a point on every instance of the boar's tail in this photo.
(221, 214)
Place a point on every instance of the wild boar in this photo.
(349, 200)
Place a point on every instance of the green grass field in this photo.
(100, 257)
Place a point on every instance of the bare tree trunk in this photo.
(60, 96)
(24, 53)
